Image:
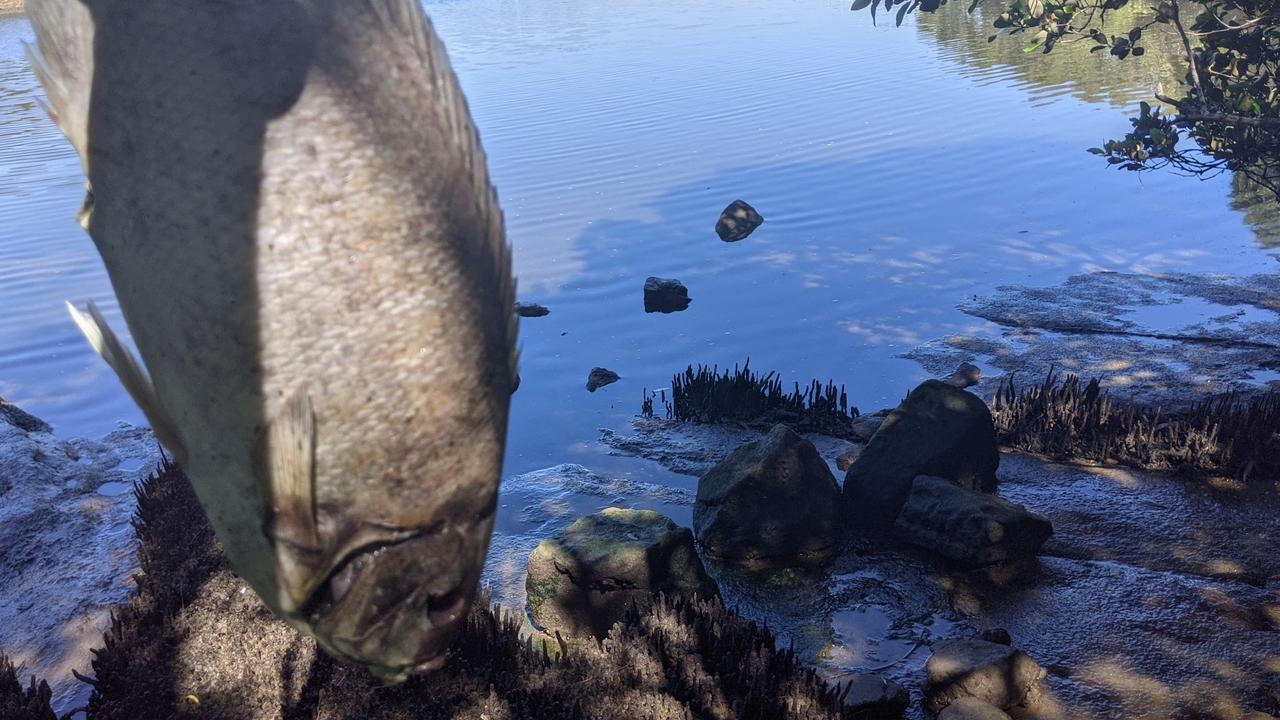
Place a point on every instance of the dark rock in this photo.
(665, 295)
(995, 674)
(21, 419)
(873, 697)
(938, 430)
(847, 458)
(531, 310)
(866, 426)
(737, 221)
(968, 708)
(999, 636)
(965, 376)
(599, 377)
(968, 526)
(772, 503)
(583, 580)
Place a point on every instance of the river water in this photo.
(901, 171)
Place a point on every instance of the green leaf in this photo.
(1139, 51)
(1097, 151)
(1035, 8)
(1135, 35)
(902, 12)
(859, 4)
(1096, 48)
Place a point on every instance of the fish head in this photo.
(384, 579)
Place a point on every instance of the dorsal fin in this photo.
(407, 19)
(63, 61)
(134, 379)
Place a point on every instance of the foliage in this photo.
(1226, 114)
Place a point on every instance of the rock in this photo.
(532, 310)
(873, 696)
(999, 636)
(972, 709)
(968, 526)
(965, 376)
(772, 503)
(938, 430)
(583, 580)
(866, 426)
(847, 458)
(599, 377)
(665, 295)
(737, 221)
(995, 674)
(13, 415)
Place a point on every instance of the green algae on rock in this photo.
(582, 581)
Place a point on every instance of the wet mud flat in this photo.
(1155, 598)
(1164, 340)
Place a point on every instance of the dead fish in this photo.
(293, 207)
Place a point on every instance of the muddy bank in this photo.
(1166, 340)
(66, 545)
(1155, 598)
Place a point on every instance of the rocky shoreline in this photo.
(898, 618)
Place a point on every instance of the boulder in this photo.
(599, 377)
(998, 675)
(665, 295)
(873, 697)
(866, 426)
(972, 709)
(968, 526)
(772, 503)
(532, 310)
(737, 221)
(938, 430)
(582, 581)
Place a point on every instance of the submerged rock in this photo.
(737, 221)
(995, 674)
(938, 430)
(583, 580)
(968, 708)
(772, 503)
(599, 377)
(665, 295)
(531, 310)
(875, 697)
(968, 526)
(965, 376)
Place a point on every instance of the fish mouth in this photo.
(395, 607)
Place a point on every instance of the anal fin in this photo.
(134, 379)
(287, 467)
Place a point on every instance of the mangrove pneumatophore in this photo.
(1229, 435)
(705, 395)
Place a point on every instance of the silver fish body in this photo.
(293, 207)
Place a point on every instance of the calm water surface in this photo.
(900, 170)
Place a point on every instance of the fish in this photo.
(295, 212)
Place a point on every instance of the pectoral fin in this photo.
(287, 463)
(134, 379)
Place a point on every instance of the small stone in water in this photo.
(737, 221)
(600, 377)
(530, 310)
(665, 295)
